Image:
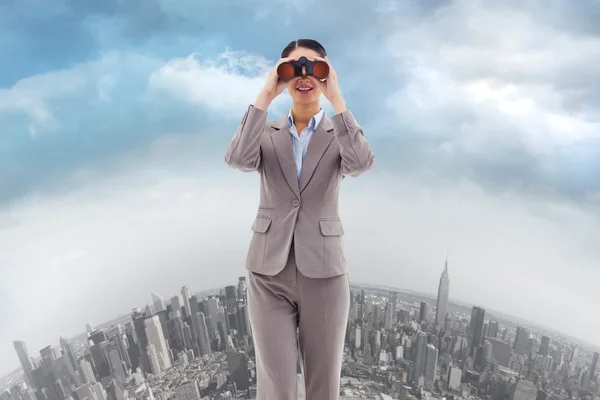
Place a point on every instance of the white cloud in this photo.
(477, 67)
(225, 85)
(39, 97)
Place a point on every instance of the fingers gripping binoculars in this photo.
(288, 70)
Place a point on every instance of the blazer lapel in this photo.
(316, 148)
(282, 141)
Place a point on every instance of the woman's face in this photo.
(312, 90)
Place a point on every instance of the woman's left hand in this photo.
(330, 86)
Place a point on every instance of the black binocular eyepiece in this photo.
(288, 70)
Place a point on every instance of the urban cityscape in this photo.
(399, 345)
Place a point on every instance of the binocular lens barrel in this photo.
(288, 70)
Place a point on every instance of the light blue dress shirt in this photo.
(300, 142)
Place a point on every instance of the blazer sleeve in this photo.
(243, 151)
(357, 155)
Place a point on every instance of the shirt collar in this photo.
(314, 121)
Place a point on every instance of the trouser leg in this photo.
(272, 308)
(323, 315)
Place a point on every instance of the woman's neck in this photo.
(302, 113)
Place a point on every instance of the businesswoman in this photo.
(297, 269)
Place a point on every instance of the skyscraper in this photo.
(431, 358)
(594, 365)
(185, 295)
(476, 328)
(26, 363)
(157, 301)
(525, 390)
(242, 288)
(493, 331)
(156, 339)
(176, 304)
(142, 339)
(420, 356)
(545, 346)
(203, 336)
(69, 354)
(423, 312)
(442, 299)
(521, 340)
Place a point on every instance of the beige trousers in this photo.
(318, 308)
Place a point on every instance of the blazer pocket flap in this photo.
(331, 228)
(261, 224)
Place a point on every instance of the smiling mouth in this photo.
(304, 90)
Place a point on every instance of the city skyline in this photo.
(380, 327)
(116, 117)
(475, 327)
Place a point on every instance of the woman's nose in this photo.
(304, 71)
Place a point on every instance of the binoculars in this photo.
(288, 70)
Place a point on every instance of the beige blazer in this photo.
(305, 209)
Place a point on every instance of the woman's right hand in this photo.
(273, 87)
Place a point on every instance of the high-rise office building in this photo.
(545, 346)
(476, 328)
(442, 299)
(231, 292)
(87, 371)
(156, 338)
(525, 390)
(176, 304)
(242, 288)
(393, 302)
(521, 341)
(594, 366)
(157, 301)
(185, 295)
(431, 357)
(203, 336)
(69, 353)
(387, 322)
(420, 356)
(423, 312)
(138, 319)
(25, 360)
(48, 357)
(493, 331)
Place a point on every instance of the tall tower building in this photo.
(393, 301)
(545, 346)
(431, 357)
(139, 319)
(493, 331)
(185, 295)
(594, 366)
(176, 304)
(88, 372)
(242, 288)
(26, 363)
(157, 301)
(521, 340)
(525, 390)
(420, 356)
(203, 336)
(423, 312)
(476, 328)
(442, 299)
(156, 338)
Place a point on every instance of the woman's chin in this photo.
(304, 100)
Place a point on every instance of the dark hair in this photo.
(304, 43)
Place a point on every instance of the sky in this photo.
(115, 116)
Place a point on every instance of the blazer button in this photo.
(296, 202)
